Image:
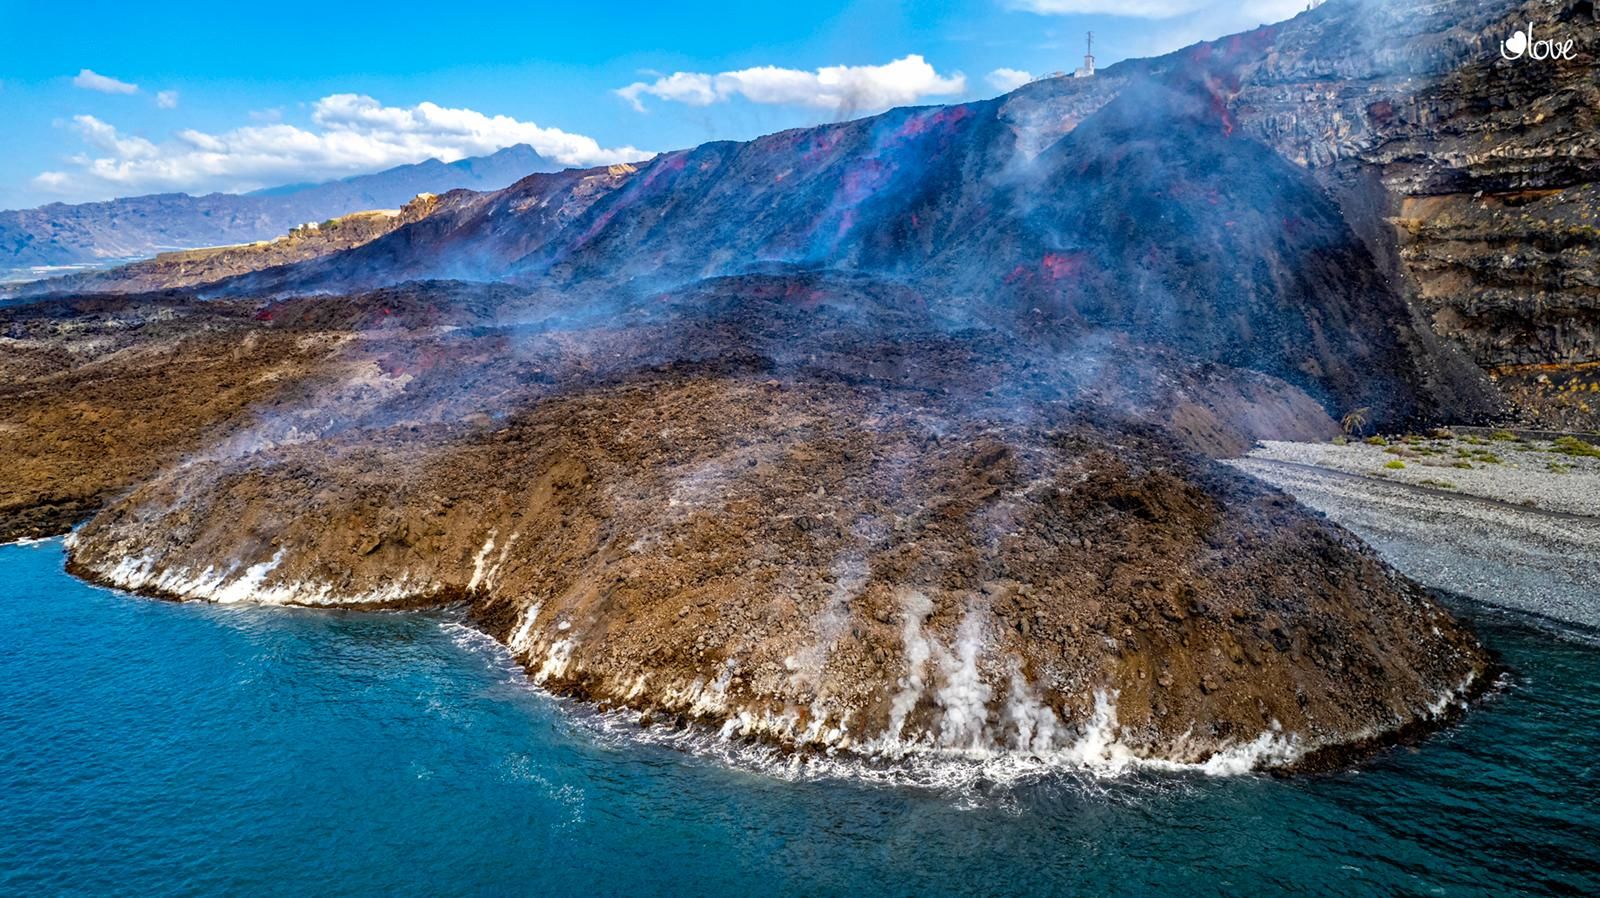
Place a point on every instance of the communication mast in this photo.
(1087, 71)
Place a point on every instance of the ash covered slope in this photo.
(1154, 216)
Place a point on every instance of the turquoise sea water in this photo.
(149, 748)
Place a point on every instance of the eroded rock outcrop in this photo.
(829, 566)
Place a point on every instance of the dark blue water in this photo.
(151, 748)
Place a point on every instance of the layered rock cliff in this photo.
(1472, 174)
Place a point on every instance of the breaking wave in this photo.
(1097, 756)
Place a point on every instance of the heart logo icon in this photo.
(1514, 45)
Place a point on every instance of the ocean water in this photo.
(149, 748)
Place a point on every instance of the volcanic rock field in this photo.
(893, 436)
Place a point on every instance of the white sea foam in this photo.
(765, 741)
(477, 561)
(228, 585)
(761, 741)
(1024, 739)
(556, 660)
(30, 541)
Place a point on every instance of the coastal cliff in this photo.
(1472, 174)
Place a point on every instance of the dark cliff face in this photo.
(1472, 176)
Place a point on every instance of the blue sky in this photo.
(113, 99)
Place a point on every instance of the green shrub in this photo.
(1575, 447)
(1395, 465)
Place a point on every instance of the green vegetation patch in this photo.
(1575, 447)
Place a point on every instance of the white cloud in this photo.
(167, 99)
(89, 79)
(1185, 21)
(842, 88)
(1143, 9)
(351, 134)
(1007, 80)
(1214, 21)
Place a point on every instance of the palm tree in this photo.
(1355, 421)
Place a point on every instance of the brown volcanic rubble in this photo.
(793, 532)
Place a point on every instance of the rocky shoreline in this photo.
(732, 550)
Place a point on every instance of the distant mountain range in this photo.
(60, 234)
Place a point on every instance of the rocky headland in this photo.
(894, 436)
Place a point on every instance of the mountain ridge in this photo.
(61, 234)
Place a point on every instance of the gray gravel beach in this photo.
(1520, 532)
